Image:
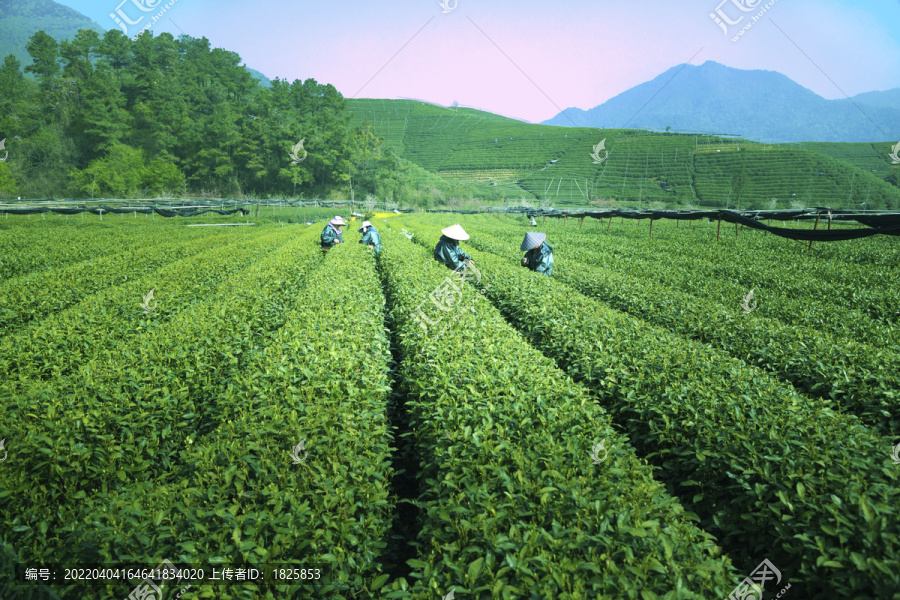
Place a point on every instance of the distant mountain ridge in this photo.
(886, 99)
(761, 105)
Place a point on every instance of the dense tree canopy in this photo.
(108, 116)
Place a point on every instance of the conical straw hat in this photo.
(455, 232)
(533, 239)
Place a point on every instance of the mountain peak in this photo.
(756, 104)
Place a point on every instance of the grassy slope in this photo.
(642, 168)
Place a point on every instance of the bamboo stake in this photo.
(814, 229)
(719, 231)
(829, 220)
(735, 230)
(580, 223)
(609, 225)
(651, 227)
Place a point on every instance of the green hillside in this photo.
(868, 157)
(20, 20)
(553, 165)
(759, 176)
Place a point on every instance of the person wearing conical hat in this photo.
(538, 255)
(331, 235)
(370, 237)
(448, 251)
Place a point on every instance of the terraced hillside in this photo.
(558, 165)
(868, 157)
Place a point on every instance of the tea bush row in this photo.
(862, 379)
(776, 474)
(31, 245)
(512, 505)
(853, 274)
(238, 495)
(814, 291)
(33, 296)
(95, 447)
(63, 343)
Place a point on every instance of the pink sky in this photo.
(530, 59)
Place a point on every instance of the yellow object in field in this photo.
(352, 218)
(384, 215)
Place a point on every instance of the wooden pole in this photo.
(719, 231)
(829, 220)
(814, 229)
(651, 227)
(581, 224)
(609, 224)
(735, 230)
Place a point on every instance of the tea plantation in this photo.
(354, 426)
(556, 166)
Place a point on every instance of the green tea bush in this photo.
(860, 378)
(192, 460)
(35, 295)
(59, 345)
(776, 474)
(513, 506)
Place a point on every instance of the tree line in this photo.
(107, 116)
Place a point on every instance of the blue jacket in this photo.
(330, 237)
(371, 238)
(447, 251)
(540, 259)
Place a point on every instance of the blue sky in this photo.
(529, 59)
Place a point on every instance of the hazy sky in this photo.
(530, 59)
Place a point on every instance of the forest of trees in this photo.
(105, 116)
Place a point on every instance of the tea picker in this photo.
(538, 255)
(331, 235)
(447, 250)
(370, 237)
